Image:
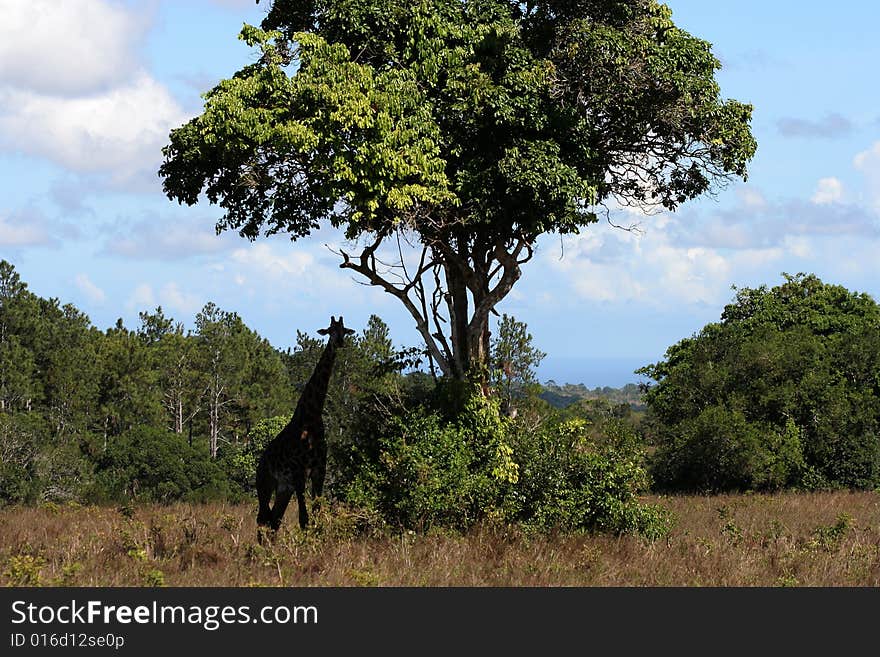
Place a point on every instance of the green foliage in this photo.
(33, 469)
(476, 106)
(243, 377)
(471, 127)
(828, 537)
(19, 445)
(127, 390)
(154, 578)
(64, 473)
(147, 464)
(562, 396)
(783, 391)
(25, 570)
(239, 460)
(514, 359)
(404, 450)
(720, 450)
(423, 472)
(572, 481)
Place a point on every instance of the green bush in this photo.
(573, 478)
(148, 464)
(720, 450)
(423, 471)
(65, 473)
(34, 468)
(239, 460)
(19, 444)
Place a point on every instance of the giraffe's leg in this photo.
(265, 488)
(317, 477)
(282, 499)
(300, 486)
(319, 463)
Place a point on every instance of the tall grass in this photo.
(821, 539)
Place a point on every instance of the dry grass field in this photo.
(821, 539)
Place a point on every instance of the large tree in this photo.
(783, 390)
(445, 136)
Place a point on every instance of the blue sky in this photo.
(90, 88)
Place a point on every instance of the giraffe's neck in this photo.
(315, 392)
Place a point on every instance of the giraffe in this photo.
(299, 451)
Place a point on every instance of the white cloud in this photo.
(119, 132)
(597, 282)
(868, 159)
(828, 190)
(741, 227)
(831, 126)
(720, 233)
(751, 197)
(73, 89)
(20, 233)
(164, 238)
(170, 296)
(67, 48)
(284, 275)
(694, 275)
(615, 266)
(142, 298)
(91, 291)
(261, 258)
(799, 246)
(868, 162)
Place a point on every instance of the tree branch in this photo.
(365, 265)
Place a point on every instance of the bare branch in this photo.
(365, 265)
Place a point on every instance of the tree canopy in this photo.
(783, 391)
(464, 129)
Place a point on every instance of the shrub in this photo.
(426, 472)
(571, 480)
(423, 471)
(18, 467)
(148, 464)
(720, 450)
(65, 473)
(34, 468)
(239, 460)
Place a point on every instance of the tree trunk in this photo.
(178, 416)
(214, 420)
(477, 274)
(458, 305)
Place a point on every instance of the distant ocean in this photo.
(593, 372)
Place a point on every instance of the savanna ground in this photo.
(819, 539)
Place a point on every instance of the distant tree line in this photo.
(566, 394)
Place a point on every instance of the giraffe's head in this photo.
(336, 331)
